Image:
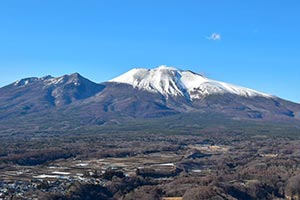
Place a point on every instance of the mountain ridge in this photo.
(87, 102)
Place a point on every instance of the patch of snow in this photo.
(61, 173)
(25, 81)
(45, 176)
(76, 83)
(170, 81)
(82, 164)
(17, 82)
(54, 81)
(167, 164)
(197, 170)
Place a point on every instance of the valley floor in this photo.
(150, 166)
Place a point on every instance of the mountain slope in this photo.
(37, 94)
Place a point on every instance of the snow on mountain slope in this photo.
(170, 81)
(48, 81)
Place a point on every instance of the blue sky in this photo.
(256, 43)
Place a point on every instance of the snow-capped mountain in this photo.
(139, 93)
(170, 81)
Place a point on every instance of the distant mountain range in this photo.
(139, 93)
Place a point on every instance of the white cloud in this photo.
(214, 36)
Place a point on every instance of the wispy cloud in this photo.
(214, 36)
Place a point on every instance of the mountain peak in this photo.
(170, 81)
(74, 78)
(75, 75)
(165, 67)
